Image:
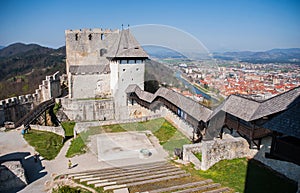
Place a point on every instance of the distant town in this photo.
(221, 78)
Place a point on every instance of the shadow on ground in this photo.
(259, 178)
(33, 169)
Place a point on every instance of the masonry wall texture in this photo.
(216, 150)
(88, 110)
(83, 46)
(90, 86)
(57, 130)
(13, 109)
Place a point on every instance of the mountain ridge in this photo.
(276, 55)
(24, 66)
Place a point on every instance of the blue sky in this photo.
(218, 24)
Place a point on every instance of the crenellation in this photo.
(12, 109)
(95, 30)
(21, 98)
(8, 101)
(56, 76)
(14, 100)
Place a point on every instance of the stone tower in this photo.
(103, 63)
(87, 66)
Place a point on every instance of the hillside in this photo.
(23, 67)
(291, 55)
(159, 74)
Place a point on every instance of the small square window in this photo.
(124, 70)
(137, 69)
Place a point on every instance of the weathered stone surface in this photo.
(88, 110)
(221, 149)
(90, 86)
(216, 150)
(12, 176)
(290, 170)
(57, 130)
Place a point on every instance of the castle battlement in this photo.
(95, 30)
(50, 88)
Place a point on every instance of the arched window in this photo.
(76, 36)
(90, 37)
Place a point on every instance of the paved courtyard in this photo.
(105, 151)
(118, 146)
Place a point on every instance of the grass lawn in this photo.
(47, 144)
(69, 128)
(199, 156)
(167, 134)
(245, 176)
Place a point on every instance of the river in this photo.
(192, 87)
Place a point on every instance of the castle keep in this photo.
(101, 64)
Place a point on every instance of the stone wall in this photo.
(290, 170)
(12, 176)
(88, 110)
(82, 126)
(85, 86)
(57, 130)
(13, 109)
(216, 150)
(179, 123)
(83, 46)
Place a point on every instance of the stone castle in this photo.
(108, 60)
(100, 65)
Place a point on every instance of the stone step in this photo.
(220, 190)
(142, 178)
(123, 173)
(201, 188)
(118, 168)
(112, 187)
(183, 186)
(128, 168)
(122, 190)
(118, 177)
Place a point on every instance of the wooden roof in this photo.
(186, 104)
(249, 109)
(287, 122)
(126, 46)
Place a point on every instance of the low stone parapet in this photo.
(57, 130)
(216, 150)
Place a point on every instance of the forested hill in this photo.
(24, 66)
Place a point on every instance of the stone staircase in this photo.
(147, 176)
(35, 113)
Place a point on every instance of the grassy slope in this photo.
(69, 128)
(245, 176)
(46, 144)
